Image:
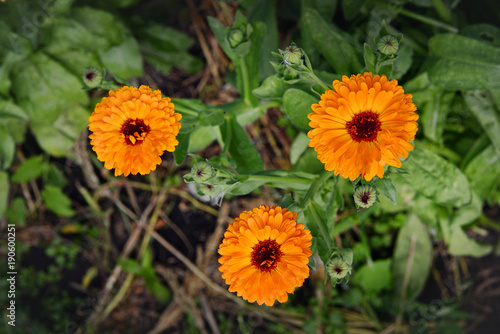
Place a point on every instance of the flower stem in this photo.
(246, 81)
(417, 17)
(271, 178)
(317, 80)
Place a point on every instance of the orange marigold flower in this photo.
(132, 128)
(265, 254)
(365, 123)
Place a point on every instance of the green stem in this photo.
(321, 226)
(417, 17)
(441, 9)
(318, 80)
(271, 179)
(325, 175)
(246, 81)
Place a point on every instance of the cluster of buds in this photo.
(211, 179)
(339, 267)
(291, 62)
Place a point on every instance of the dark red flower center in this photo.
(90, 76)
(337, 269)
(135, 130)
(266, 255)
(365, 198)
(364, 126)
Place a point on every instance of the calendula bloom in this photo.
(365, 123)
(265, 254)
(132, 128)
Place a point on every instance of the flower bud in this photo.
(388, 45)
(202, 171)
(92, 77)
(365, 196)
(338, 268)
(236, 37)
(292, 55)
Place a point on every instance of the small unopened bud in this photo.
(388, 45)
(236, 37)
(365, 196)
(338, 268)
(202, 171)
(209, 190)
(292, 55)
(92, 77)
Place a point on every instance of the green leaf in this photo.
(484, 32)
(157, 289)
(481, 105)
(51, 141)
(104, 27)
(351, 8)
(309, 163)
(435, 177)
(55, 176)
(29, 169)
(461, 245)
(314, 215)
(130, 266)
(412, 236)
(370, 59)
(57, 201)
(484, 173)
(242, 150)
(181, 149)
(265, 11)
(272, 88)
(16, 213)
(331, 43)
(162, 38)
(72, 121)
(403, 63)
(298, 147)
(10, 109)
(7, 149)
(201, 137)
(4, 191)
(164, 61)
(43, 88)
(463, 63)
(433, 103)
(467, 213)
(251, 61)
(286, 201)
(220, 32)
(426, 209)
(297, 105)
(283, 182)
(385, 187)
(375, 277)
(69, 34)
(124, 60)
